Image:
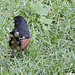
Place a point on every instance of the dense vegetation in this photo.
(52, 46)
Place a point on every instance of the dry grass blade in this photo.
(69, 36)
(21, 72)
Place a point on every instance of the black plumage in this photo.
(21, 27)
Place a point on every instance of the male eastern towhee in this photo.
(19, 37)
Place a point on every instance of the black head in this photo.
(18, 19)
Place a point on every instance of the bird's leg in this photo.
(12, 54)
(11, 58)
(22, 51)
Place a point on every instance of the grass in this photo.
(51, 51)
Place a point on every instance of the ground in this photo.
(51, 50)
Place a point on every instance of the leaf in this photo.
(44, 20)
(39, 9)
(73, 5)
(5, 73)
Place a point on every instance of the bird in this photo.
(19, 36)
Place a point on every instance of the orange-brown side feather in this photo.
(25, 43)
